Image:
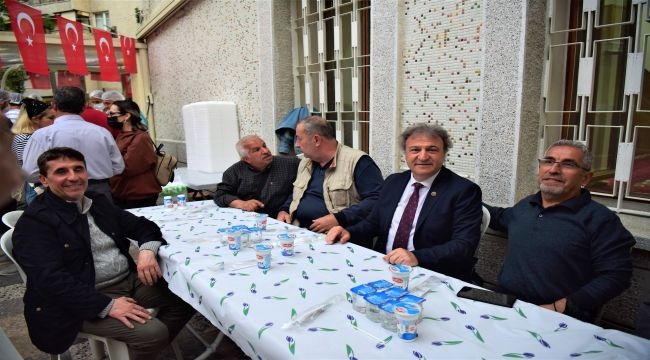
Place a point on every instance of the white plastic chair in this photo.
(485, 221)
(11, 218)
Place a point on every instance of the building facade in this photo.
(504, 77)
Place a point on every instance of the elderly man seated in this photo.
(260, 181)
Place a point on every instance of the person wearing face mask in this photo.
(94, 112)
(69, 129)
(137, 185)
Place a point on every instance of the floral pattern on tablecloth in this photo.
(252, 306)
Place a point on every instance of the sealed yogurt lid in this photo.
(263, 247)
(380, 284)
(362, 290)
(395, 292)
(376, 298)
(400, 268)
(286, 236)
(406, 309)
(410, 298)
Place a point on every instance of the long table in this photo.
(252, 306)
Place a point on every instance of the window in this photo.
(331, 64)
(102, 21)
(597, 90)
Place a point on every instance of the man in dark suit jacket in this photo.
(444, 228)
(74, 247)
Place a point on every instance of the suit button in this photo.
(38, 309)
(66, 245)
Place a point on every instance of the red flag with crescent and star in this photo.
(128, 54)
(72, 42)
(66, 78)
(106, 56)
(27, 24)
(40, 81)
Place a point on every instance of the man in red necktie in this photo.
(426, 216)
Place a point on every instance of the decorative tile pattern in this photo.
(442, 59)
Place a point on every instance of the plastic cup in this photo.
(286, 245)
(375, 300)
(263, 256)
(358, 302)
(181, 200)
(400, 275)
(234, 240)
(260, 221)
(168, 203)
(407, 316)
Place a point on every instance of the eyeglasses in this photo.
(115, 114)
(564, 165)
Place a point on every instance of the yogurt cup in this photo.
(260, 221)
(358, 302)
(407, 316)
(287, 246)
(400, 275)
(375, 300)
(263, 256)
(234, 239)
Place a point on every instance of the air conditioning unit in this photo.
(211, 132)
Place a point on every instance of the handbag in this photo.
(165, 166)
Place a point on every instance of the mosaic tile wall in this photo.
(217, 60)
(441, 59)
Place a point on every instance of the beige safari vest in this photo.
(339, 190)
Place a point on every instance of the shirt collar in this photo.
(83, 205)
(574, 204)
(426, 182)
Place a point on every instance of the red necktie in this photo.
(401, 239)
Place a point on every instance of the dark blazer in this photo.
(52, 245)
(448, 228)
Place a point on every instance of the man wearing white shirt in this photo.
(439, 227)
(103, 158)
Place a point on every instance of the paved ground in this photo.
(13, 323)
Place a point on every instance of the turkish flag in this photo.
(40, 81)
(66, 78)
(72, 42)
(106, 56)
(126, 86)
(128, 54)
(27, 24)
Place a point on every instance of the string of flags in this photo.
(27, 25)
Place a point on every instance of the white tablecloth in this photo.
(250, 305)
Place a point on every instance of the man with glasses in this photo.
(565, 251)
(103, 158)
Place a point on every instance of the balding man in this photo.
(335, 185)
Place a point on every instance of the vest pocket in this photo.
(339, 193)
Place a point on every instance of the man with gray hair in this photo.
(565, 251)
(260, 181)
(426, 216)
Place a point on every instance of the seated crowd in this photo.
(565, 252)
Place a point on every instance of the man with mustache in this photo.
(260, 181)
(426, 216)
(565, 251)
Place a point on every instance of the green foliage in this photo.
(16, 80)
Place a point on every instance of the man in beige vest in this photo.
(335, 184)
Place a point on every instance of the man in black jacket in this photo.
(74, 248)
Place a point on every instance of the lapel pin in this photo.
(433, 193)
